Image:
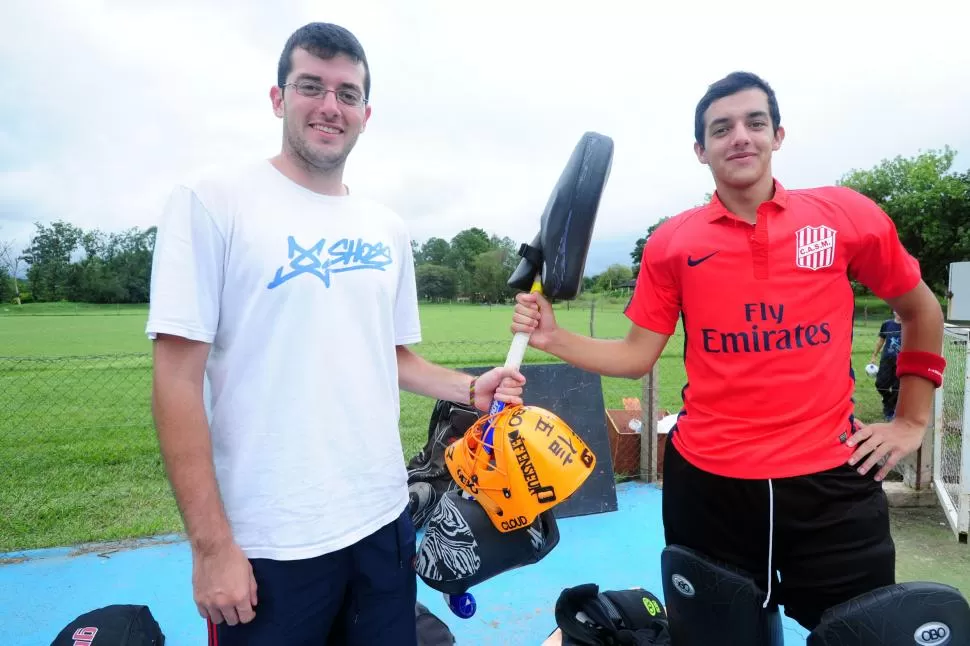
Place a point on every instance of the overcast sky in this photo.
(104, 105)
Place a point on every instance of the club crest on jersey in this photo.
(815, 247)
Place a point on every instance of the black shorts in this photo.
(830, 540)
(361, 595)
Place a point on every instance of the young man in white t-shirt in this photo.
(296, 300)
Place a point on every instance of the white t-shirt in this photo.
(304, 298)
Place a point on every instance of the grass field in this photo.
(80, 460)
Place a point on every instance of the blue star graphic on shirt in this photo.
(344, 255)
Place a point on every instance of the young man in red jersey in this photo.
(766, 468)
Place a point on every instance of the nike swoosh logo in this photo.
(693, 263)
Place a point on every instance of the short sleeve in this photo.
(880, 261)
(187, 270)
(882, 330)
(407, 323)
(656, 300)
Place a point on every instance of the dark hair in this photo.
(324, 40)
(732, 84)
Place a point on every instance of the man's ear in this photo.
(779, 137)
(701, 153)
(276, 97)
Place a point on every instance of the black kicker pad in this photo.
(461, 547)
(558, 252)
(588, 617)
(576, 397)
(905, 614)
(711, 603)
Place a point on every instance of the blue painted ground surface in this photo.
(614, 550)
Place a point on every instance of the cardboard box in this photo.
(625, 443)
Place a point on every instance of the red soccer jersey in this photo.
(768, 316)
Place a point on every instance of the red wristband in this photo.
(922, 364)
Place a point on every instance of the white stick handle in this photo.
(520, 342)
(513, 360)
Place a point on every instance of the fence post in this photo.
(648, 437)
(592, 315)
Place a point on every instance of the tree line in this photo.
(476, 266)
(67, 263)
(64, 262)
(928, 202)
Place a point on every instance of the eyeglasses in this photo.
(347, 96)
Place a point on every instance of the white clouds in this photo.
(474, 113)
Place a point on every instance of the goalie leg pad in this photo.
(711, 603)
(904, 614)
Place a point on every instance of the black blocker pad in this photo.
(461, 547)
(905, 614)
(558, 252)
(712, 603)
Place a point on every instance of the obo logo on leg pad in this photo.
(933, 633)
(683, 585)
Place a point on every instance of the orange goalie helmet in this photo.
(534, 463)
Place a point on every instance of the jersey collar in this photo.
(717, 210)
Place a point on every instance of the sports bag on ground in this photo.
(428, 476)
(432, 631)
(114, 625)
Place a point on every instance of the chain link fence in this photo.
(79, 456)
(41, 396)
(60, 402)
(951, 448)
